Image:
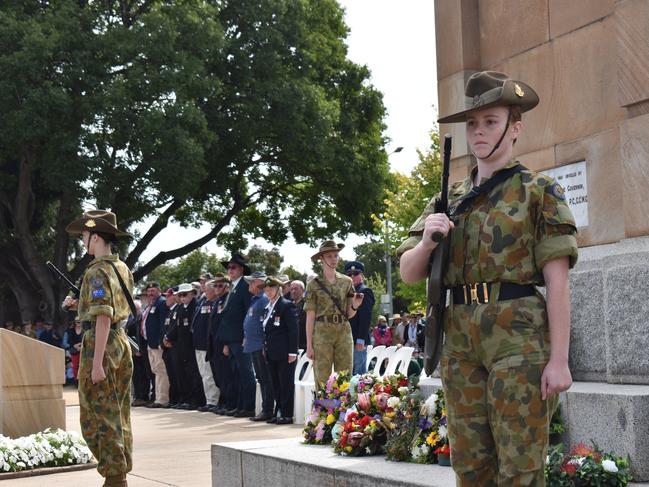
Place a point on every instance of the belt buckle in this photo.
(474, 293)
(335, 319)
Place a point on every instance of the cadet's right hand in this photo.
(437, 222)
(309, 353)
(226, 350)
(70, 303)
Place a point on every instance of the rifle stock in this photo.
(438, 263)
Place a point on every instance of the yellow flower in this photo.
(348, 448)
(344, 386)
(331, 419)
(432, 438)
(391, 414)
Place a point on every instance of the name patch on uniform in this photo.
(98, 293)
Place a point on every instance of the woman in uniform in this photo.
(505, 354)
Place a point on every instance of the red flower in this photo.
(365, 420)
(569, 468)
(582, 450)
(403, 382)
(442, 450)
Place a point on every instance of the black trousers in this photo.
(262, 375)
(170, 358)
(143, 377)
(225, 376)
(282, 376)
(191, 386)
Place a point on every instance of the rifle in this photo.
(437, 266)
(77, 292)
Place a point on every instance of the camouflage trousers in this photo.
(491, 366)
(105, 407)
(332, 346)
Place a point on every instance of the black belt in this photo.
(481, 292)
(86, 325)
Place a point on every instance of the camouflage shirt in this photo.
(319, 301)
(101, 293)
(508, 234)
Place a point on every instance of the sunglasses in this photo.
(354, 273)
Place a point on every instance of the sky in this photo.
(396, 40)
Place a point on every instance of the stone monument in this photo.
(589, 62)
(32, 375)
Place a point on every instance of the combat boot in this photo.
(116, 481)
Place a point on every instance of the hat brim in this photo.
(246, 270)
(507, 98)
(79, 226)
(317, 255)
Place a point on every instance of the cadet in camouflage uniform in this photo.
(106, 366)
(505, 355)
(330, 303)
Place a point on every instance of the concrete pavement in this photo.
(171, 447)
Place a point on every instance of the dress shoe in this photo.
(139, 403)
(158, 405)
(284, 420)
(206, 408)
(220, 411)
(243, 413)
(262, 417)
(185, 405)
(231, 412)
(272, 420)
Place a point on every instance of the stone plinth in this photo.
(610, 313)
(32, 375)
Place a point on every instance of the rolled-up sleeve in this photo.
(417, 229)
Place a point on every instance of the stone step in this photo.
(290, 463)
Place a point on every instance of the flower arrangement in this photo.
(328, 404)
(420, 434)
(363, 429)
(50, 448)
(585, 466)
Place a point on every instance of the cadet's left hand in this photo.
(97, 374)
(357, 300)
(292, 358)
(556, 378)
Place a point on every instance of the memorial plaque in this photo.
(573, 180)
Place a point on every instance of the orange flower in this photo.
(582, 450)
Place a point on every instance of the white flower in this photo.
(393, 402)
(547, 460)
(609, 466)
(430, 405)
(403, 390)
(442, 431)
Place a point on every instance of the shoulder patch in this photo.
(96, 282)
(98, 293)
(557, 191)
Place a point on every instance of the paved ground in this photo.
(172, 448)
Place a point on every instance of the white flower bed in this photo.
(50, 448)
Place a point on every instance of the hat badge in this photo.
(353, 268)
(518, 90)
(91, 223)
(477, 101)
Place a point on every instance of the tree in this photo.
(241, 115)
(186, 269)
(268, 261)
(404, 205)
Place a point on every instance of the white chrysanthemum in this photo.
(442, 431)
(393, 402)
(609, 466)
(403, 390)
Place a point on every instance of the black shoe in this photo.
(186, 406)
(262, 417)
(231, 412)
(243, 413)
(284, 420)
(272, 420)
(206, 409)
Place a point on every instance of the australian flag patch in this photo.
(98, 293)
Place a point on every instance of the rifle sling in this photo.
(333, 298)
(125, 290)
(466, 200)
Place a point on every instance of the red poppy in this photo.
(569, 468)
(403, 382)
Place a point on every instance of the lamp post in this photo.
(388, 254)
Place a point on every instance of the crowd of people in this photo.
(205, 345)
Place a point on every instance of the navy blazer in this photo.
(360, 322)
(281, 331)
(155, 322)
(230, 327)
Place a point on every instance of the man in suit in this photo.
(154, 319)
(280, 328)
(297, 296)
(230, 332)
(361, 321)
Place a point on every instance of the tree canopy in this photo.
(244, 116)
